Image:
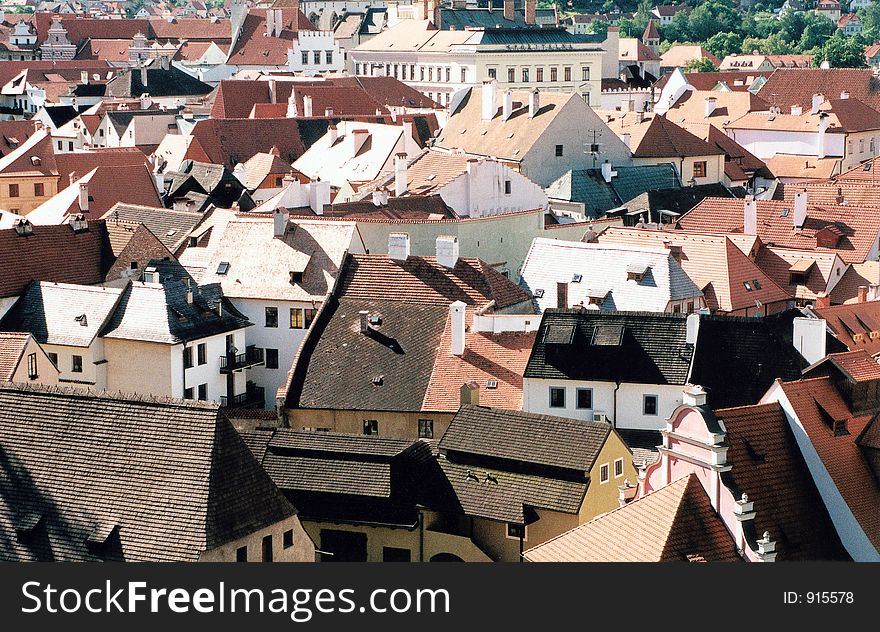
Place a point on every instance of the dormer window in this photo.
(637, 272)
(296, 277)
(223, 268)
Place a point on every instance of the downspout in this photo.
(421, 535)
(614, 418)
(183, 363)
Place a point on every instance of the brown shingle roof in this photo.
(676, 523)
(858, 365)
(12, 348)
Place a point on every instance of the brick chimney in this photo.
(863, 294)
(823, 300)
(531, 11)
(508, 10)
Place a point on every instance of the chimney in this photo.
(447, 251)
(809, 338)
(84, 197)
(270, 22)
(823, 300)
(456, 314)
(692, 328)
(84, 78)
(797, 110)
(709, 106)
(328, 112)
(319, 195)
(399, 174)
(800, 209)
(380, 197)
(292, 110)
(750, 216)
(531, 11)
(273, 91)
(151, 275)
(626, 137)
(78, 222)
(408, 130)
(23, 227)
(307, 106)
(359, 138)
(143, 76)
(332, 130)
(163, 62)
(626, 492)
(863, 294)
(398, 246)
(71, 177)
(279, 21)
(189, 293)
(534, 103)
(280, 218)
(508, 10)
(816, 102)
(470, 391)
(694, 394)
(607, 172)
(490, 99)
(363, 321)
(844, 94)
(506, 105)
(820, 140)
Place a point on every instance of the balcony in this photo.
(252, 356)
(253, 397)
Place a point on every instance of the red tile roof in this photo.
(814, 401)
(858, 365)
(53, 253)
(675, 523)
(768, 466)
(230, 141)
(487, 356)
(253, 48)
(777, 263)
(865, 173)
(857, 275)
(12, 348)
(853, 324)
(858, 226)
(663, 139)
(796, 86)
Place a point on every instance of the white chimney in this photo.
(307, 107)
(844, 94)
(447, 251)
(820, 137)
(626, 137)
(800, 209)
(363, 321)
(400, 185)
(809, 338)
(84, 197)
(328, 112)
(279, 22)
(816, 102)
(239, 172)
(797, 110)
(506, 105)
(709, 106)
(319, 195)
(292, 110)
(143, 75)
(607, 172)
(273, 91)
(456, 314)
(694, 395)
(359, 138)
(408, 131)
(750, 216)
(380, 197)
(332, 130)
(490, 99)
(534, 103)
(398, 246)
(270, 22)
(692, 328)
(280, 220)
(84, 78)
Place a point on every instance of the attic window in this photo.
(223, 268)
(539, 293)
(607, 336)
(784, 212)
(375, 319)
(756, 284)
(296, 277)
(747, 285)
(491, 383)
(82, 320)
(36, 160)
(378, 380)
(577, 278)
(867, 166)
(559, 334)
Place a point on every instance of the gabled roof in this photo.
(859, 227)
(62, 314)
(815, 401)
(161, 313)
(679, 55)
(259, 265)
(630, 347)
(796, 86)
(53, 253)
(253, 48)
(847, 322)
(154, 480)
(604, 274)
(170, 82)
(676, 523)
(12, 348)
(856, 275)
(714, 263)
(655, 136)
(497, 434)
(857, 365)
(170, 226)
(632, 50)
(817, 266)
(230, 141)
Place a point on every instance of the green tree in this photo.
(599, 27)
(703, 64)
(713, 16)
(841, 52)
(871, 22)
(723, 44)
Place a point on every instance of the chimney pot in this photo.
(363, 321)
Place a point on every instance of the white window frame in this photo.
(607, 476)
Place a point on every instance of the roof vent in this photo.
(23, 227)
(378, 380)
(78, 223)
(82, 320)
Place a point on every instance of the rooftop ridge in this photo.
(118, 396)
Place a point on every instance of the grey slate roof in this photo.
(171, 227)
(652, 348)
(589, 187)
(525, 437)
(461, 19)
(160, 83)
(150, 480)
(62, 314)
(522, 37)
(159, 312)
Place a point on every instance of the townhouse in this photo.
(23, 360)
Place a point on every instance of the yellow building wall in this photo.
(138, 367)
(378, 537)
(303, 549)
(26, 200)
(603, 497)
(47, 373)
(402, 425)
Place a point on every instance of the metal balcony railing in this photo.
(252, 356)
(254, 397)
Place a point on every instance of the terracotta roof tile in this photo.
(253, 48)
(817, 266)
(675, 523)
(853, 324)
(656, 136)
(796, 86)
(858, 365)
(12, 348)
(857, 275)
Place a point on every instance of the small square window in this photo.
(271, 358)
(287, 539)
(223, 268)
(39, 189)
(584, 398)
(557, 397)
(77, 364)
(54, 358)
(241, 554)
(491, 383)
(516, 531)
(650, 405)
(426, 428)
(308, 317)
(618, 468)
(296, 318)
(203, 392)
(558, 150)
(188, 393)
(13, 190)
(700, 169)
(539, 293)
(371, 427)
(603, 473)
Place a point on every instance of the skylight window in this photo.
(756, 284)
(784, 212)
(491, 383)
(747, 285)
(223, 268)
(867, 166)
(577, 278)
(539, 293)
(607, 335)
